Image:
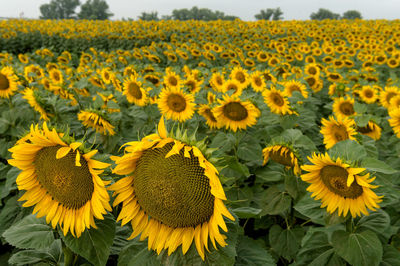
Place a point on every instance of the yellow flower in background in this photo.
(134, 91)
(394, 121)
(292, 86)
(282, 154)
(335, 131)
(372, 130)
(343, 107)
(387, 94)
(8, 82)
(96, 121)
(277, 101)
(205, 111)
(172, 195)
(340, 186)
(35, 102)
(175, 104)
(61, 180)
(368, 94)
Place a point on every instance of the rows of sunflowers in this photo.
(200, 143)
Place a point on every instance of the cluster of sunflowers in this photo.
(276, 105)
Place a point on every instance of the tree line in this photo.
(99, 10)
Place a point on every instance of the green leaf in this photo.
(376, 165)
(94, 244)
(51, 256)
(314, 244)
(249, 152)
(30, 232)
(252, 252)
(360, 107)
(276, 201)
(136, 253)
(272, 172)
(310, 208)
(232, 163)
(391, 256)
(377, 222)
(246, 212)
(362, 120)
(120, 239)
(328, 258)
(358, 248)
(286, 242)
(349, 150)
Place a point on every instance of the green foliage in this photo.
(323, 13)
(59, 9)
(95, 10)
(352, 14)
(149, 16)
(196, 13)
(270, 13)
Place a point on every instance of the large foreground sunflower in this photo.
(60, 180)
(340, 186)
(8, 82)
(235, 114)
(172, 194)
(335, 131)
(175, 104)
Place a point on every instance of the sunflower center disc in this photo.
(364, 130)
(68, 184)
(173, 81)
(258, 81)
(232, 87)
(240, 77)
(340, 132)
(283, 159)
(173, 190)
(235, 111)
(278, 100)
(335, 178)
(346, 108)
(389, 96)
(312, 71)
(294, 88)
(4, 83)
(369, 94)
(176, 102)
(134, 90)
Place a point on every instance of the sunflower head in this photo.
(172, 194)
(8, 82)
(277, 101)
(134, 91)
(96, 120)
(176, 104)
(283, 154)
(372, 130)
(368, 94)
(335, 131)
(343, 107)
(60, 179)
(340, 186)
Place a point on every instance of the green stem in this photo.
(69, 256)
(349, 225)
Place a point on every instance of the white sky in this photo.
(245, 9)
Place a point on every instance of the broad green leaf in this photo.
(249, 152)
(310, 208)
(375, 165)
(246, 212)
(276, 201)
(315, 243)
(377, 222)
(272, 172)
(328, 258)
(137, 253)
(94, 244)
(362, 120)
(285, 242)
(51, 256)
(252, 252)
(30, 232)
(349, 150)
(391, 256)
(360, 107)
(362, 248)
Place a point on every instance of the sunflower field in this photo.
(200, 143)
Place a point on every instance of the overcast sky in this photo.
(245, 9)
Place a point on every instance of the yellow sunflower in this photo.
(277, 101)
(394, 121)
(172, 195)
(206, 111)
(96, 121)
(106, 75)
(33, 73)
(312, 70)
(257, 81)
(241, 76)
(56, 76)
(387, 94)
(217, 81)
(335, 131)
(292, 86)
(61, 180)
(192, 84)
(394, 102)
(232, 86)
(35, 102)
(368, 94)
(372, 130)
(8, 82)
(235, 114)
(175, 104)
(284, 155)
(340, 186)
(172, 80)
(343, 107)
(134, 92)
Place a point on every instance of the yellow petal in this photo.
(63, 151)
(162, 131)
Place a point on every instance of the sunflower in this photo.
(33, 73)
(96, 121)
(232, 86)
(340, 186)
(343, 107)
(172, 80)
(292, 86)
(217, 81)
(257, 81)
(268, 76)
(172, 194)
(8, 82)
(36, 103)
(235, 114)
(60, 180)
(284, 155)
(134, 92)
(372, 130)
(23, 58)
(205, 111)
(106, 75)
(153, 79)
(312, 70)
(394, 121)
(335, 131)
(192, 84)
(387, 95)
(175, 104)
(241, 76)
(56, 76)
(277, 101)
(368, 94)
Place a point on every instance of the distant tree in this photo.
(95, 9)
(149, 16)
(196, 13)
(323, 13)
(351, 14)
(59, 9)
(166, 17)
(265, 14)
(270, 13)
(277, 14)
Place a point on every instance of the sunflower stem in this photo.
(349, 225)
(69, 256)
